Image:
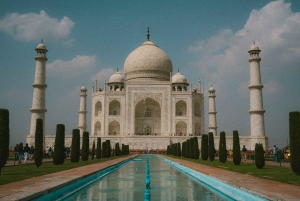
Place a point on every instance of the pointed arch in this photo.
(181, 108)
(197, 109)
(114, 128)
(97, 128)
(98, 108)
(197, 129)
(181, 128)
(114, 108)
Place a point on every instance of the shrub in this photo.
(4, 137)
(85, 149)
(222, 148)
(59, 146)
(294, 130)
(75, 149)
(98, 152)
(93, 150)
(259, 156)
(204, 147)
(39, 138)
(236, 148)
(211, 147)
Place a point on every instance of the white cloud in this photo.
(224, 57)
(103, 75)
(33, 26)
(72, 68)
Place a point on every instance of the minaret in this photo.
(212, 111)
(38, 109)
(256, 103)
(82, 110)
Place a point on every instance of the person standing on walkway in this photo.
(31, 152)
(244, 151)
(26, 153)
(20, 153)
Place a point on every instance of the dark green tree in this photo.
(204, 147)
(178, 149)
(117, 149)
(75, 149)
(85, 149)
(93, 150)
(104, 149)
(294, 130)
(236, 148)
(222, 148)
(4, 137)
(98, 152)
(192, 148)
(188, 149)
(59, 146)
(108, 149)
(168, 150)
(211, 146)
(196, 148)
(259, 156)
(39, 138)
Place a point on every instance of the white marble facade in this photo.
(149, 107)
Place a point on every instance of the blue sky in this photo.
(206, 40)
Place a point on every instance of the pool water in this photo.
(128, 183)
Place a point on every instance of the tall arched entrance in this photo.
(147, 117)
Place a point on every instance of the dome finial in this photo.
(254, 42)
(42, 41)
(178, 70)
(117, 69)
(148, 35)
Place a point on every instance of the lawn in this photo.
(11, 174)
(276, 173)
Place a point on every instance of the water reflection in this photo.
(128, 183)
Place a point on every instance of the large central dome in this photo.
(148, 61)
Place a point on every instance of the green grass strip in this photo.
(21, 172)
(270, 172)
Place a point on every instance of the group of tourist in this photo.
(25, 153)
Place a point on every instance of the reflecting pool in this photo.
(128, 183)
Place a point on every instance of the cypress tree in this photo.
(222, 148)
(75, 150)
(236, 148)
(294, 130)
(104, 149)
(211, 147)
(204, 147)
(108, 149)
(93, 150)
(178, 149)
(259, 156)
(98, 152)
(183, 149)
(196, 148)
(39, 136)
(59, 147)
(188, 144)
(116, 149)
(168, 150)
(4, 137)
(85, 149)
(192, 156)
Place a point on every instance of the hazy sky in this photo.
(206, 40)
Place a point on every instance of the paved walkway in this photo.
(271, 190)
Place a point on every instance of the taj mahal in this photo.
(150, 106)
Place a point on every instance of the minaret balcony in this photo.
(39, 85)
(257, 86)
(257, 111)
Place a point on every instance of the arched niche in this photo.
(181, 128)
(181, 108)
(197, 129)
(114, 108)
(98, 108)
(197, 109)
(147, 117)
(114, 128)
(97, 128)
